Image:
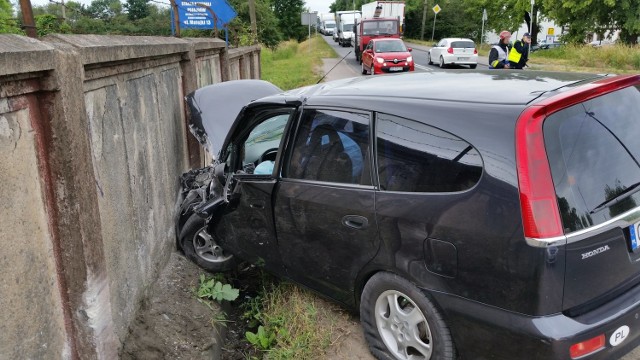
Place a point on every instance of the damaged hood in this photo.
(214, 109)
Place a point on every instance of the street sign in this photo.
(195, 15)
(437, 8)
(484, 15)
(551, 31)
(309, 18)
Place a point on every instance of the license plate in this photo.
(634, 242)
(395, 68)
(463, 58)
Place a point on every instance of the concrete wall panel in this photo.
(31, 319)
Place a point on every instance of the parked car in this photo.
(457, 221)
(454, 51)
(545, 46)
(386, 55)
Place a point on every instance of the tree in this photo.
(596, 16)
(288, 14)
(8, 25)
(105, 9)
(269, 33)
(50, 24)
(137, 9)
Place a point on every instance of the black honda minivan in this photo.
(477, 215)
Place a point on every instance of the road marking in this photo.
(421, 67)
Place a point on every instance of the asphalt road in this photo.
(419, 57)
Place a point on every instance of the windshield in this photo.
(330, 26)
(390, 46)
(379, 27)
(347, 27)
(463, 44)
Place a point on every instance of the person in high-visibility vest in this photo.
(499, 54)
(519, 53)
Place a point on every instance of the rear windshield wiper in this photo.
(618, 198)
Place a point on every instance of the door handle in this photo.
(355, 222)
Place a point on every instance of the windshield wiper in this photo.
(618, 198)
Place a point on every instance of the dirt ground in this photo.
(173, 324)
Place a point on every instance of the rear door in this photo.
(325, 203)
(463, 49)
(595, 163)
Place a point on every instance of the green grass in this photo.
(297, 324)
(618, 58)
(294, 64)
(421, 42)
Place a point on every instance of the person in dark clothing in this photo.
(519, 53)
(499, 54)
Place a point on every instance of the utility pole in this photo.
(252, 16)
(424, 19)
(27, 18)
(64, 16)
(176, 17)
(530, 27)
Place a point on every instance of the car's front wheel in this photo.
(429, 59)
(202, 248)
(400, 322)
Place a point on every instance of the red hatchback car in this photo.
(386, 56)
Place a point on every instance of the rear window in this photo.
(593, 153)
(462, 44)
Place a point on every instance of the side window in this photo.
(331, 146)
(259, 150)
(414, 157)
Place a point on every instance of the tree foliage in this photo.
(8, 24)
(288, 14)
(597, 16)
(137, 9)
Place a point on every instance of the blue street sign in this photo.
(193, 16)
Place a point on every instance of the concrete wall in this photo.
(92, 140)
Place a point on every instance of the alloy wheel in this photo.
(402, 326)
(207, 249)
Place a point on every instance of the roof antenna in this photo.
(325, 75)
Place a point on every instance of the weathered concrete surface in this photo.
(92, 141)
(31, 319)
(19, 55)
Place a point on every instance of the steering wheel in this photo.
(268, 155)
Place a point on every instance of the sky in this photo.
(321, 6)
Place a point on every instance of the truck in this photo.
(345, 21)
(379, 19)
(328, 27)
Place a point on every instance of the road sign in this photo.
(195, 15)
(484, 15)
(437, 8)
(551, 31)
(309, 18)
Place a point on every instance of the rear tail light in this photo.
(540, 213)
(450, 50)
(586, 347)
(475, 51)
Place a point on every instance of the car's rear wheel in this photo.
(202, 248)
(400, 322)
(473, 66)
(441, 62)
(429, 59)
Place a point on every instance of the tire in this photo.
(441, 62)
(429, 58)
(388, 330)
(201, 248)
(473, 66)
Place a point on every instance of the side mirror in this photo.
(410, 49)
